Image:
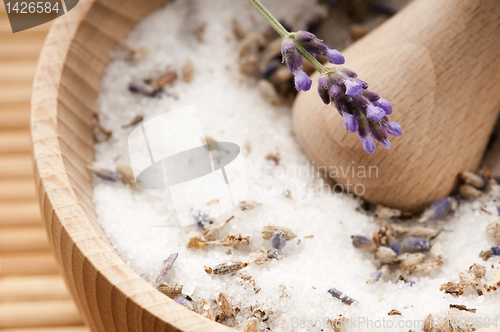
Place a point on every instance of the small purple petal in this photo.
(375, 113)
(385, 105)
(352, 88)
(393, 128)
(335, 57)
(291, 56)
(367, 142)
(350, 122)
(302, 81)
(334, 91)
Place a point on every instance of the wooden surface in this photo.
(438, 63)
(33, 295)
(110, 295)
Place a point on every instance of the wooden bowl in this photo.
(109, 294)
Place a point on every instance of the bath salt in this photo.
(284, 190)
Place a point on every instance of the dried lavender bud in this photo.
(437, 251)
(270, 230)
(201, 220)
(204, 309)
(472, 179)
(439, 209)
(341, 296)
(225, 304)
(493, 231)
(428, 266)
(383, 213)
(274, 254)
(385, 255)
(407, 262)
(394, 245)
(184, 302)
(259, 257)
(468, 191)
(227, 268)
(364, 243)
(166, 266)
(127, 175)
(423, 232)
(251, 325)
(104, 173)
(171, 289)
(278, 240)
(415, 244)
(374, 277)
(248, 205)
(493, 251)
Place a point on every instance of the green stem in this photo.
(280, 29)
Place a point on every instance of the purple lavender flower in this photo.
(364, 243)
(415, 244)
(105, 174)
(278, 240)
(341, 296)
(396, 247)
(363, 110)
(439, 209)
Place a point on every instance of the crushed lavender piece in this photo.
(166, 266)
(341, 296)
(439, 209)
(415, 244)
(105, 174)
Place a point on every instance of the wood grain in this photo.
(110, 295)
(40, 313)
(438, 63)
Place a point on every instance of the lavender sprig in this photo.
(363, 111)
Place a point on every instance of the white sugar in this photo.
(294, 289)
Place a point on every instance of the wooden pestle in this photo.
(438, 63)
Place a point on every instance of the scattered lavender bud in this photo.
(385, 255)
(278, 240)
(251, 325)
(468, 191)
(439, 209)
(341, 296)
(364, 243)
(227, 268)
(201, 220)
(428, 266)
(374, 277)
(225, 304)
(270, 230)
(127, 175)
(493, 231)
(105, 174)
(472, 179)
(274, 254)
(171, 289)
(415, 244)
(383, 213)
(493, 251)
(166, 266)
(184, 302)
(407, 262)
(395, 246)
(423, 232)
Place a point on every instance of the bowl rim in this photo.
(108, 293)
